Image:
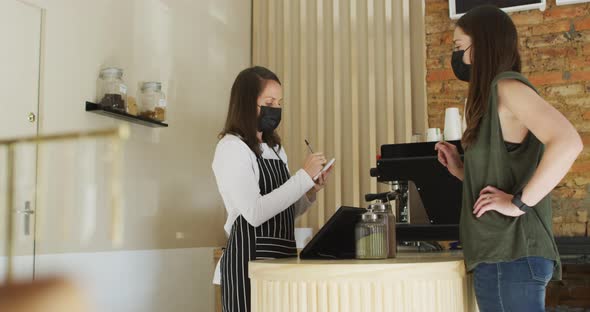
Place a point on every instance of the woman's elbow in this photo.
(577, 145)
(252, 217)
(568, 143)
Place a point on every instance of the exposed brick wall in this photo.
(555, 47)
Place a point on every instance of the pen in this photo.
(308, 146)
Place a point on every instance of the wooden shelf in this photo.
(97, 109)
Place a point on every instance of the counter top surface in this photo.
(402, 258)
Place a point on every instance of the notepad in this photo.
(326, 167)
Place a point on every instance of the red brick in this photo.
(546, 78)
(440, 75)
(433, 28)
(456, 86)
(434, 51)
(544, 64)
(557, 52)
(586, 115)
(582, 166)
(582, 24)
(565, 90)
(433, 63)
(562, 12)
(579, 62)
(435, 7)
(529, 18)
(580, 76)
(434, 87)
(523, 31)
(544, 41)
(551, 28)
(444, 38)
(583, 102)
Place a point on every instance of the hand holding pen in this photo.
(314, 162)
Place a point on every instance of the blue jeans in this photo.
(517, 286)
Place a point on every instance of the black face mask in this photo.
(461, 70)
(270, 118)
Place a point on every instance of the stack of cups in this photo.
(453, 124)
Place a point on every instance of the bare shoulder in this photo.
(517, 95)
(512, 86)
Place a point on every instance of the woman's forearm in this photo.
(556, 162)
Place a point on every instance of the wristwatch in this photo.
(516, 200)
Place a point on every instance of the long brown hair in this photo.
(242, 119)
(494, 49)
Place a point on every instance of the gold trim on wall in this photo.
(348, 84)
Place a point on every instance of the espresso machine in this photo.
(427, 197)
(426, 201)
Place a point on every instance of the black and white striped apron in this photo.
(273, 239)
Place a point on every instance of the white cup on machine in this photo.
(453, 129)
(433, 135)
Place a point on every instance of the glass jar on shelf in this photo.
(152, 101)
(111, 89)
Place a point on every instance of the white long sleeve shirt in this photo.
(237, 174)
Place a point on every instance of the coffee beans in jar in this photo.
(111, 89)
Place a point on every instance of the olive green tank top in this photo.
(495, 237)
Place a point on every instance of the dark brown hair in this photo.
(494, 49)
(242, 119)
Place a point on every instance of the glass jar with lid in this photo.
(111, 89)
(152, 101)
(384, 212)
(371, 237)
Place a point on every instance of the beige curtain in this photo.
(353, 79)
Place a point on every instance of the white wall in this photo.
(196, 48)
(173, 213)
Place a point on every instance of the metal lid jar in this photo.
(152, 101)
(111, 89)
(371, 237)
(384, 213)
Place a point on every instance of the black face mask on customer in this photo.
(270, 118)
(462, 71)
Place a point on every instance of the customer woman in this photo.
(517, 149)
(261, 198)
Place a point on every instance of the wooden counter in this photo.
(411, 282)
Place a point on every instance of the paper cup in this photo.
(452, 124)
(433, 135)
